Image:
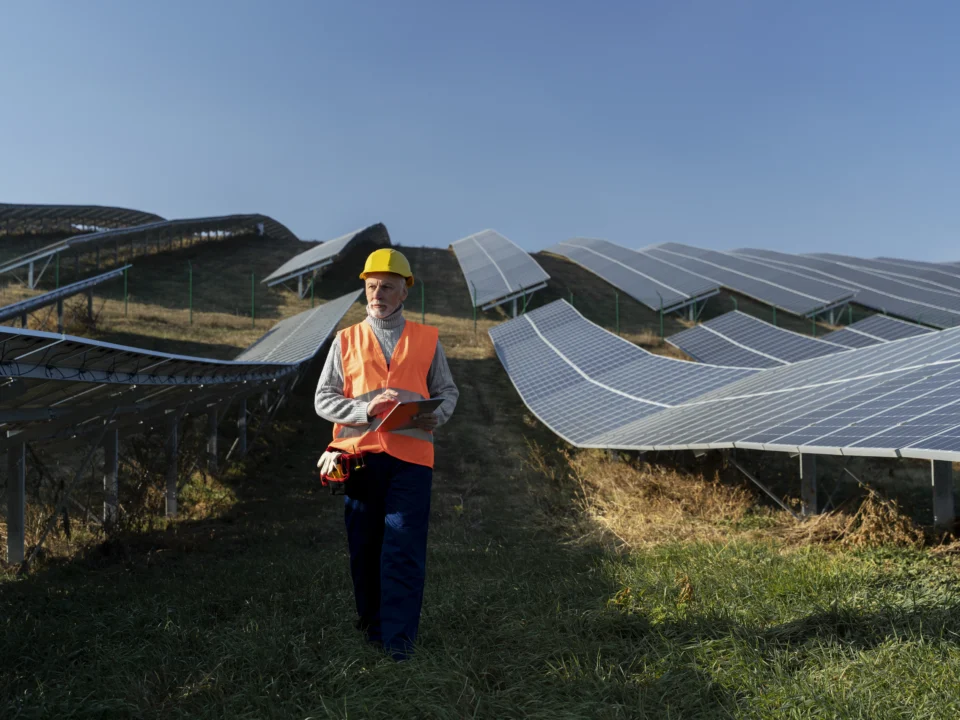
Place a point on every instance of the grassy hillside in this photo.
(561, 584)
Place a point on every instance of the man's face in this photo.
(385, 292)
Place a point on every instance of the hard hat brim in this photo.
(409, 279)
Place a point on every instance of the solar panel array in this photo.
(583, 381)
(893, 399)
(779, 287)
(646, 279)
(59, 386)
(496, 269)
(875, 291)
(157, 231)
(18, 219)
(741, 340)
(932, 278)
(875, 329)
(17, 309)
(297, 339)
(324, 254)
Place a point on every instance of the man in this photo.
(371, 366)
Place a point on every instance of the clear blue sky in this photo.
(788, 125)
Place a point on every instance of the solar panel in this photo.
(885, 400)
(326, 253)
(297, 339)
(875, 329)
(496, 269)
(646, 279)
(797, 294)
(933, 279)
(581, 380)
(18, 219)
(873, 291)
(18, 309)
(146, 233)
(742, 340)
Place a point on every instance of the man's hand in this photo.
(426, 421)
(382, 403)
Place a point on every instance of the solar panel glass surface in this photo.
(645, 279)
(581, 380)
(785, 290)
(880, 295)
(324, 253)
(933, 279)
(496, 268)
(768, 345)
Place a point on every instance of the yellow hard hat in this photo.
(388, 260)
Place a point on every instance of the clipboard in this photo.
(401, 416)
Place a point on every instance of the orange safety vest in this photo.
(366, 375)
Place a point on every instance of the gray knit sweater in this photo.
(330, 402)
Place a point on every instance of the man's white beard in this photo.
(380, 314)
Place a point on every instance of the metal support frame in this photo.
(212, 425)
(941, 476)
(808, 484)
(512, 296)
(173, 437)
(60, 315)
(763, 487)
(111, 479)
(16, 502)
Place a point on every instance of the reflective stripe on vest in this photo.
(366, 375)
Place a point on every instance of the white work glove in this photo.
(327, 462)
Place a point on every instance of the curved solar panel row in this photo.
(896, 399)
(58, 386)
(18, 219)
(742, 340)
(582, 381)
(324, 254)
(496, 269)
(873, 291)
(875, 329)
(17, 309)
(647, 280)
(297, 339)
(936, 280)
(796, 294)
(260, 224)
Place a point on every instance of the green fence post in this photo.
(849, 314)
(190, 290)
(774, 315)
(661, 315)
(736, 305)
(423, 303)
(125, 291)
(616, 300)
(253, 295)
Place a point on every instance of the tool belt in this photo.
(347, 464)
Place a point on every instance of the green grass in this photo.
(243, 608)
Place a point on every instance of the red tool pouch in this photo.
(346, 463)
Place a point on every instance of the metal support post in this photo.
(474, 308)
(242, 428)
(736, 306)
(212, 423)
(808, 484)
(514, 307)
(30, 276)
(172, 437)
(833, 316)
(16, 502)
(313, 281)
(299, 286)
(111, 484)
(774, 315)
(125, 286)
(941, 475)
(616, 309)
(60, 315)
(813, 321)
(693, 312)
(849, 314)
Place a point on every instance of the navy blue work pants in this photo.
(387, 508)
